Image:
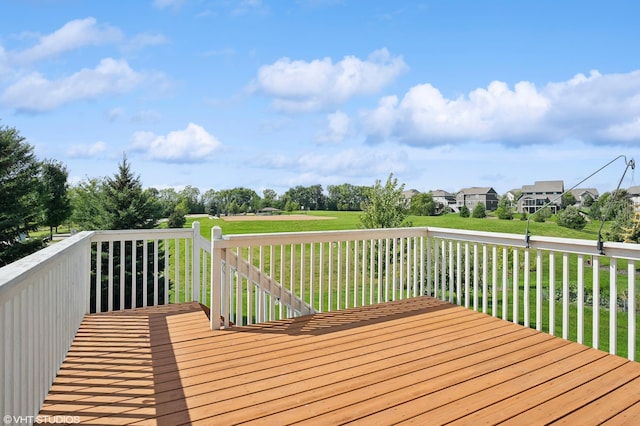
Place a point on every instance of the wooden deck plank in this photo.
(417, 360)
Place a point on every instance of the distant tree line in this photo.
(36, 194)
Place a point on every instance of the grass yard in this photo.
(350, 220)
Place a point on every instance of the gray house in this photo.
(582, 194)
(444, 199)
(634, 196)
(535, 196)
(470, 197)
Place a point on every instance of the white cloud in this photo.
(87, 151)
(34, 93)
(191, 145)
(73, 35)
(115, 114)
(360, 162)
(598, 108)
(308, 86)
(339, 127)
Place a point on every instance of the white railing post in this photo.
(195, 262)
(215, 296)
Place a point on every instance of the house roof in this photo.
(441, 193)
(546, 186)
(477, 190)
(634, 190)
(410, 193)
(580, 192)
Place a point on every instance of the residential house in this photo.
(634, 195)
(471, 197)
(536, 196)
(408, 195)
(583, 194)
(444, 200)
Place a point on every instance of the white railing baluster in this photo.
(580, 318)
(516, 286)
(552, 294)
(485, 279)
(443, 270)
(122, 286)
(110, 278)
(99, 277)
(565, 295)
(371, 269)
(467, 274)
(436, 268)
(302, 281)
(176, 247)
(458, 272)
(145, 272)
(613, 305)
(330, 279)
(250, 293)
(494, 281)
(395, 267)
(451, 272)
(380, 253)
(505, 283)
(539, 273)
(527, 269)
(476, 274)
(429, 263)
(596, 302)
(356, 245)
(156, 284)
(631, 310)
(166, 273)
(312, 270)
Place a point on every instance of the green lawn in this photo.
(350, 220)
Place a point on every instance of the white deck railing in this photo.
(42, 303)
(560, 286)
(44, 297)
(170, 267)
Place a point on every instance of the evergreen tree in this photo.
(20, 208)
(464, 211)
(504, 210)
(571, 217)
(479, 211)
(127, 205)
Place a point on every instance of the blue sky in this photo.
(273, 94)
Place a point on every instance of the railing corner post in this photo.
(216, 280)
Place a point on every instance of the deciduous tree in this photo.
(385, 206)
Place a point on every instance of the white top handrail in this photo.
(21, 269)
(567, 245)
(230, 241)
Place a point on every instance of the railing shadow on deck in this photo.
(132, 354)
(347, 319)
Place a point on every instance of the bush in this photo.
(464, 211)
(479, 211)
(571, 218)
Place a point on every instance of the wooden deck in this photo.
(416, 361)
